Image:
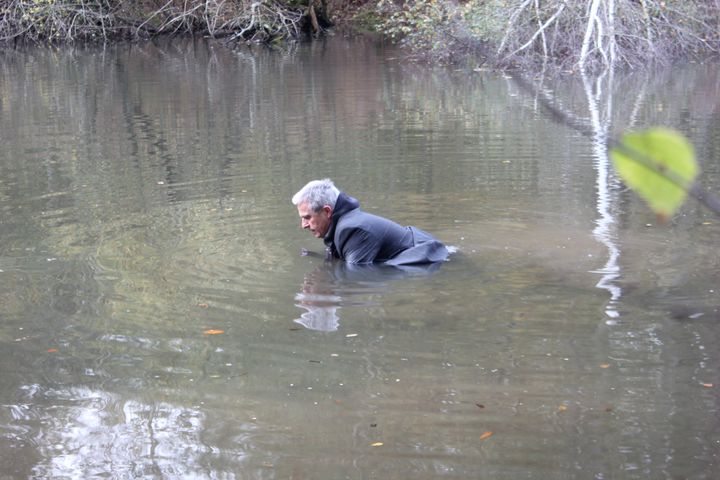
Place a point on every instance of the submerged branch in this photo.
(562, 117)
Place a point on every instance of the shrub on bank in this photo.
(571, 34)
(104, 20)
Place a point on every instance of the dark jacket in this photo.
(360, 237)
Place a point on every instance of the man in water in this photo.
(359, 237)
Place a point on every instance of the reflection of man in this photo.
(360, 237)
(319, 315)
(334, 285)
(320, 303)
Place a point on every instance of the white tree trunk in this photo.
(592, 17)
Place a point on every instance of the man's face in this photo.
(317, 222)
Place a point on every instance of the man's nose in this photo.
(304, 223)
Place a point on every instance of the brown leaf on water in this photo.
(377, 444)
(52, 350)
(203, 305)
(605, 365)
(486, 435)
(562, 408)
(707, 385)
(480, 405)
(213, 332)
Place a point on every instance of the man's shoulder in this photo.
(363, 220)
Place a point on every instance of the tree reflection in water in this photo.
(141, 439)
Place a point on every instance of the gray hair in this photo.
(317, 194)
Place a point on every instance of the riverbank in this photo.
(70, 21)
(570, 35)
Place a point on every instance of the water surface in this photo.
(157, 319)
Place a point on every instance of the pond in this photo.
(158, 321)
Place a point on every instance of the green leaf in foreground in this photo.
(659, 165)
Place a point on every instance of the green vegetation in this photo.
(659, 165)
(429, 29)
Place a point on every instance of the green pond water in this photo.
(158, 321)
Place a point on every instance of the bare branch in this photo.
(592, 16)
(137, 30)
(541, 30)
(511, 22)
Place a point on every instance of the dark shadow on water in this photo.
(333, 285)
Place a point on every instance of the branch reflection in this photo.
(607, 185)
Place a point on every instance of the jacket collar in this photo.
(344, 204)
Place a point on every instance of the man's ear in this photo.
(328, 210)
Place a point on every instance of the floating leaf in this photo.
(52, 350)
(213, 332)
(562, 408)
(486, 435)
(659, 164)
(605, 365)
(377, 444)
(203, 305)
(707, 385)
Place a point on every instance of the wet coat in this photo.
(360, 237)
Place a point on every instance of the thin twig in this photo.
(152, 16)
